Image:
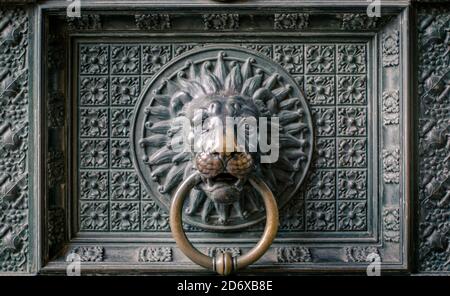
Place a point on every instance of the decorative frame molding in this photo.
(399, 194)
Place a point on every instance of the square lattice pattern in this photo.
(334, 78)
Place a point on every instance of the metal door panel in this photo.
(353, 70)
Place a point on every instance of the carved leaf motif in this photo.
(351, 58)
(94, 153)
(290, 57)
(94, 91)
(391, 224)
(121, 121)
(359, 254)
(94, 185)
(356, 21)
(153, 21)
(94, 60)
(124, 185)
(321, 216)
(154, 218)
(325, 121)
(391, 49)
(85, 22)
(14, 116)
(352, 89)
(87, 254)
(320, 90)
(265, 49)
(125, 216)
(120, 154)
(155, 254)
(234, 251)
(124, 90)
(352, 152)
(94, 216)
(322, 185)
(291, 21)
(293, 255)
(221, 21)
(320, 58)
(293, 216)
(352, 184)
(154, 57)
(125, 59)
(391, 107)
(352, 216)
(326, 153)
(94, 122)
(352, 121)
(434, 88)
(391, 165)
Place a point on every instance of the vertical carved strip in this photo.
(14, 96)
(56, 150)
(434, 146)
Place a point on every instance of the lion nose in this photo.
(224, 155)
(238, 164)
(209, 164)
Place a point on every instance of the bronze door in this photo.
(96, 106)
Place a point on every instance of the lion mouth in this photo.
(224, 177)
(223, 180)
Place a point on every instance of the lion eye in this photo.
(214, 108)
(234, 107)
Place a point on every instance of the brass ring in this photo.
(223, 263)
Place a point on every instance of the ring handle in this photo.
(223, 263)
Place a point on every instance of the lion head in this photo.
(210, 91)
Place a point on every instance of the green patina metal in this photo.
(70, 86)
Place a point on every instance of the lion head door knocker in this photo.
(226, 189)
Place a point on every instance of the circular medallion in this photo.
(220, 82)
